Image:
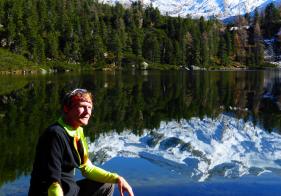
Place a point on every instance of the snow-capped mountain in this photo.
(198, 148)
(207, 8)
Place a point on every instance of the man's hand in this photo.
(123, 186)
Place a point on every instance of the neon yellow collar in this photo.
(70, 131)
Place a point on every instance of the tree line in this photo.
(88, 32)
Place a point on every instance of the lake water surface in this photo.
(168, 133)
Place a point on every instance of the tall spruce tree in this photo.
(2, 12)
(138, 13)
(10, 23)
(151, 48)
(31, 29)
(258, 46)
(204, 50)
(136, 42)
(20, 44)
(115, 46)
(188, 52)
(223, 51)
(176, 53)
(167, 51)
(152, 17)
(271, 20)
(196, 47)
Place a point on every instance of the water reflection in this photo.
(198, 149)
(133, 101)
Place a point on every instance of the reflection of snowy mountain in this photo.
(198, 148)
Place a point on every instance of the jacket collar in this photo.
(70, 130)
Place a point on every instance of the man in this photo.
(62, 148)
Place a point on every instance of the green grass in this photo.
(10, 61)
(159, 66)
(269, 65)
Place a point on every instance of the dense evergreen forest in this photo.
(99, 35)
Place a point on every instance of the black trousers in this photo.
(92, 188)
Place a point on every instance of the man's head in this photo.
(77, 107)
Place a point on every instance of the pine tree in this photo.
(10, 23)
(98, 49)
(255, 54)
(151, 48)
(204, 51)
(2, 12)
(2, 23)
(171, 30)
(256, 17)
(52, 48)
(271, 19)
(176, 53)
(31, 29)
(94, 51)
(239, 50)
(136, 43)
(182, 40)
(214, 39)
(52, 33)
(196, 47)
(152, 17)
(223, 51)
(20, 44)
(128, 45)
(129, 19)
(258, 46)
(228, 42)
(42, 16)
(40, 50)
(76, 51)
(115, 46)
(188, 53)
(167, 52)
(202, 25)
(138, 13)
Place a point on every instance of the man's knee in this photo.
(92, 188)
(108, 189)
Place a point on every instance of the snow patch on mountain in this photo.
(199, 148)
(207, 8)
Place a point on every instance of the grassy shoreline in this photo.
(11, 63)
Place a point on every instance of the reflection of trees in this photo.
(270, 106)
(132, 102)
(25, 113)
(124, 101)
(25, 116)
(135, 103)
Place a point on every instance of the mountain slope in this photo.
(207, 8)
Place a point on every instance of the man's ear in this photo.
(65, 109)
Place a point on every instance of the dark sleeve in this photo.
(54, 153)
(49, 156)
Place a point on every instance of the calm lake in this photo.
(168, 133)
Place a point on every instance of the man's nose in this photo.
(88, 110)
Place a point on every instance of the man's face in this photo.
(79, 113)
